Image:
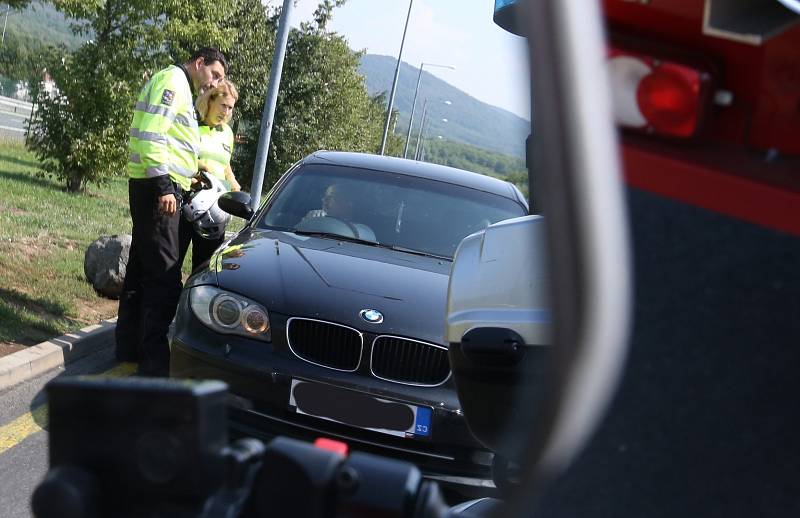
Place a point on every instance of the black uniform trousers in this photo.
(152, 281)
(202, 248)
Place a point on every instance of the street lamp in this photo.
(8, 8)
(270, 103)
(414, 103)
(394, 82)
(422, 124)
(421, 146)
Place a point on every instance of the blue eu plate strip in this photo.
(422, 426)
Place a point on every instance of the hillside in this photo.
(32, 36)
(43, 23)
(469, 120)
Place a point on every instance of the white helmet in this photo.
(202, 210)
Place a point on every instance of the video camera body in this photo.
(153, 447)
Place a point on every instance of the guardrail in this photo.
(15, 105)
(13, 113)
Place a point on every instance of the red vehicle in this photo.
(709, 95)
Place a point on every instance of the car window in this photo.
(387, 208)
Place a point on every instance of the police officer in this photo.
(215, 108)
(163, 152)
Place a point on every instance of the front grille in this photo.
(324, 343)
(408, 361)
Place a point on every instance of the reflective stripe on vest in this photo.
(164, 139)
(164, 136)
(216, 146)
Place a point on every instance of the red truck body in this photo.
(744, 159)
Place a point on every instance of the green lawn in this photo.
(44, 232)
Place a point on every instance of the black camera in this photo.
(154, 447)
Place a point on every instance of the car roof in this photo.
(415, 168)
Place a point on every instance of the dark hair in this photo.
(210, 55)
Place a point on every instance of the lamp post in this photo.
(8, 8)
(414, 103)
(268, 113)
(421, 154)
(394, 82)
(422, 126)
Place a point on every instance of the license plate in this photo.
(360, 410)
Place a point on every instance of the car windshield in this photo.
(389, 209)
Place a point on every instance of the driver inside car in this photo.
(335, 204)
(338, 203)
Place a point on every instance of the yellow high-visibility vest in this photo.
(216, 147)
(164, 137)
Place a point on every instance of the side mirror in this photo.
(499, 329)
(236, 204)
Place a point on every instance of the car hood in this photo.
(334, 280)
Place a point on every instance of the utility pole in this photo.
(421, 128)
(394, 83)
(268, 115)
(421, 133)
(3, 42)
(414, 103)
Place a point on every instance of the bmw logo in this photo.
(373, 316)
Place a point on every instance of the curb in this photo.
(56, 352)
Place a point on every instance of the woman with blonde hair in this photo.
(215, 108)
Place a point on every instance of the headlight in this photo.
(229, 313)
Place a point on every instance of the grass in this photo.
(44, 233)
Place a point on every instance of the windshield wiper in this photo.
(417, 252)
(331, 235)
(317, 233)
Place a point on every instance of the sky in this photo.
(491, 64)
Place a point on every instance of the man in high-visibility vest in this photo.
(163, 151)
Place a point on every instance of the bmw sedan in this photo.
(325, 314)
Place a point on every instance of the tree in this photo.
(17, 4)
(254, 27)
(80, 131)
(22, 57)
(471, 158)
(323, 102)
(324, 12)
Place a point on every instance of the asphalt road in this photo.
(23, 424)
(23, 431)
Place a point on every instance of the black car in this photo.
(325, 314)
